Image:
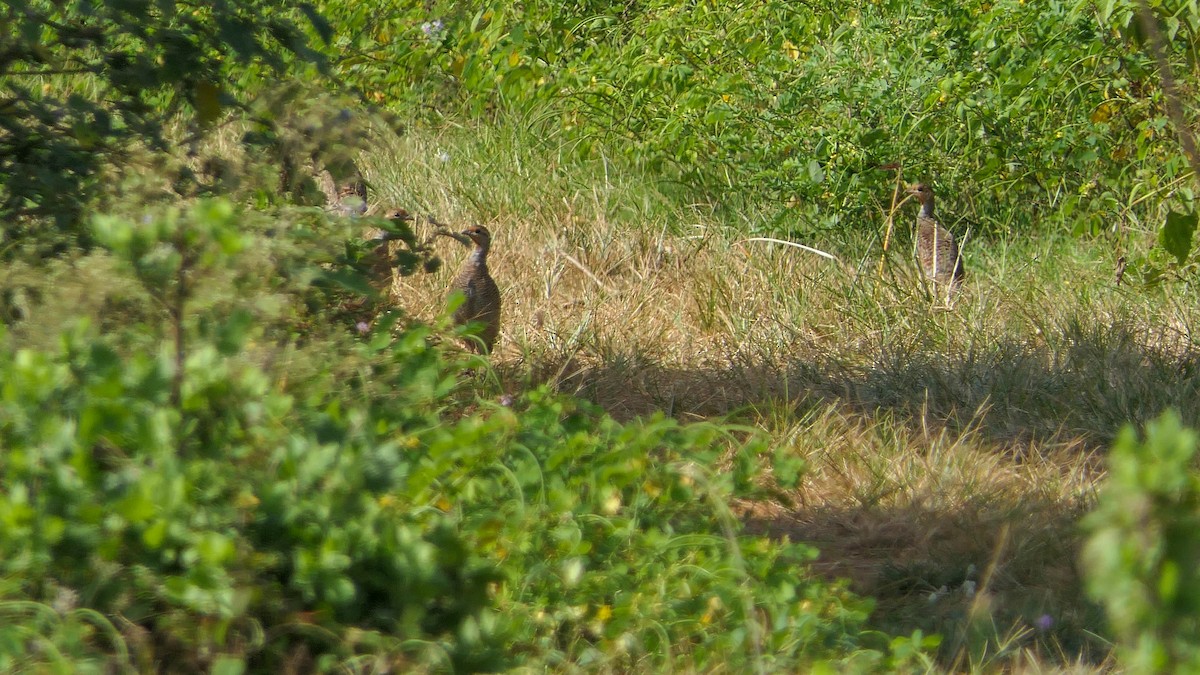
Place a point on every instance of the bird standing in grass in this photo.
(380, 259)
(937, 252)
(482, 296)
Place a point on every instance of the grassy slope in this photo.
(945, 445)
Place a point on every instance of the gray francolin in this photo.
(482, 297)
(351, 198)
(937, 252)
(380, 262)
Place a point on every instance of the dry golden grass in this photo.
(948, 447)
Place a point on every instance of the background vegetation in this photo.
(233, 441)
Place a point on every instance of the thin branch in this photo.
(53, 71)
(1174, 109)
(810, 249)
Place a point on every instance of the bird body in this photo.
(937, 251)
(351, 198)
(381, 263)
(481, 301)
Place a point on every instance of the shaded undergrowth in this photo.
(947, 447)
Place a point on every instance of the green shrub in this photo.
(1140, 557)
(170, 499)
(1031, 115)
(87, 86)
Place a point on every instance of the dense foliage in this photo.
(1143, 544)
(222, 452)
(174, 500)
(1031, 115)
(94, 93)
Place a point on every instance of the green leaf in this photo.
(228, 665)
(154, 535)
(1176, 234)
(347, 280)
(232, 333)
(815, 173)
(787, 468)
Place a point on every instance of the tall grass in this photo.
(951, 448)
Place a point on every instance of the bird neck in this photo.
(927, 207)
(479, 256)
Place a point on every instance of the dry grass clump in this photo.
(951, 449)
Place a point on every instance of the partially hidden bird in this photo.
(351, 198)
(481, 301)
(937, 252)
(380, 263)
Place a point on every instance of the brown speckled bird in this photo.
(937, 252)
(351, 198)
(380, 261)
(482, 302)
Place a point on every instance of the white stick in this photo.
(810, 249)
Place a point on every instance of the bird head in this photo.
(396, 216)
(922, 191)
(478, 234)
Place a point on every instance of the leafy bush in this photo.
(97, 90)
(1141, 554)
(1025, 102)
(172, 499)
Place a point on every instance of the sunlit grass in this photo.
(950, 448)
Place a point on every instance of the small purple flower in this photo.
(506, 400)
(1044, 622)
(433, 30)
(362, 327)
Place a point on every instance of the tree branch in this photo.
(1158, 50)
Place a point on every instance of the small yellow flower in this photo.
(386, 500)
(612, 503)
(714, 606)
(603, 613)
